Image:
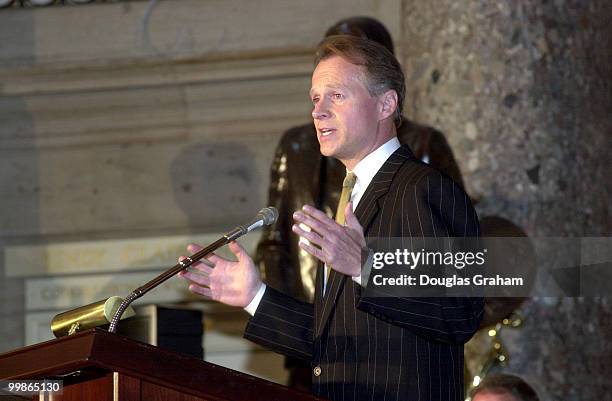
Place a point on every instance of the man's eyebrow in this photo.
(327, 87)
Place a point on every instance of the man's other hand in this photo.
(337, 246)
(222, 280)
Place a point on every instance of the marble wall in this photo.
(523, 91)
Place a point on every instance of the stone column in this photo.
(523, 91)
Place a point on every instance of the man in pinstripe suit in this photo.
(362, 347)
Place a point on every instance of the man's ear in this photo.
(388, 104)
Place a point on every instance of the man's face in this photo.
(345, 115)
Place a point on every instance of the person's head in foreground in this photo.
(503, 387)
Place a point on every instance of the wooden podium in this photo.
(96, 365)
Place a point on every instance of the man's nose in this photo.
(319, 111)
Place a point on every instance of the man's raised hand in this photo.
(222, 280)
(337, 246)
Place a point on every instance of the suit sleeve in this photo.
(434, 206)
(282, 324)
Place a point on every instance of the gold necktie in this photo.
(345, 196)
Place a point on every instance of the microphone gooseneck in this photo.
(264, 217)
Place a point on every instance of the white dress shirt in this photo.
(365, 171)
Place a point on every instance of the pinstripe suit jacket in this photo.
(383, 348)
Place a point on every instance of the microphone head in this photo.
(269, 215)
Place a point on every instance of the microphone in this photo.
(264, 217)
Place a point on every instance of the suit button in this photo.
(317, 371)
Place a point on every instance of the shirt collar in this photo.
(367, 167)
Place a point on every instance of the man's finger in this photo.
(354, 229)
(314, 251)
(200, 279)
(203, 266)
(214, 258)
(311, 236)
(350, 218)
(193, 248)
(323, 228)
(238, 250)
(204, 261)
(204, 291)
(317, 214)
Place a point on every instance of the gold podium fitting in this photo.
(86, 317)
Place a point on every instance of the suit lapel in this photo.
(369, 204)
(327, 301)
(330, 174)
(366, 212)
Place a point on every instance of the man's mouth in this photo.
(326, 131)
